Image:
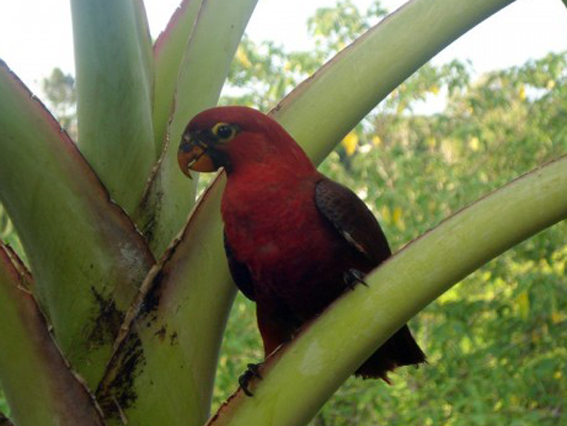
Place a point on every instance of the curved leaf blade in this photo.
(168, 53)
(114, 94)
(174, 340)
(85, 254)
(37, 382)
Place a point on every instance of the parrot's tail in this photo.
(400, 349)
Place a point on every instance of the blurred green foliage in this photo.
(262, 73)
(495, 342)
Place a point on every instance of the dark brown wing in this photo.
(352, 219)
(240, 273)
(356, 223)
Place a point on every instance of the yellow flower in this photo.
(385, 214)
(242, 57)
(550, 84)
(474, 144)
(350, 142)
(398, 219)
(523, 92)
(523, 301)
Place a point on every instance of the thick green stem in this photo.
(86, 256)
(37, 381)
(171, 350)
(169, 51)
(297, 380)
(114, 94)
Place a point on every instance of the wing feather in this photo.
(240, 272)
(352, 220)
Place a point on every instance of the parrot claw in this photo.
(353, 277)
(253, 370)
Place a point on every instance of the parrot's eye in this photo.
(224, 131)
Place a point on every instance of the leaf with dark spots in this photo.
(152, 297)
(173, 339)
(161, 333)
(116, 392)
(107, 322)
(75, 236)
(178, 293)
(31, 360)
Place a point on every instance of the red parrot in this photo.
(295, 240)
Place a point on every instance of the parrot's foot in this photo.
(252, 371)
(352, 277)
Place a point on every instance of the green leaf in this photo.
(146, 47)
(168, 55)
(209, 52)
(296, 381)
(85, 254)
(114, 94)
(36, 380)
(171, 351)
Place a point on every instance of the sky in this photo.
(36, 35)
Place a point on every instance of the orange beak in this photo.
(192, 155)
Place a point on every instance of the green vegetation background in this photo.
(495, 342)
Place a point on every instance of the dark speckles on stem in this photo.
(116, 392)
(149, 227)
(151, 301)
(154, 200)
(161, 333)
(107, 321)
(173, 339)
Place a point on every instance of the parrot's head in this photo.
(235, 136)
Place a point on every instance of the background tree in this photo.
(61, 98)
